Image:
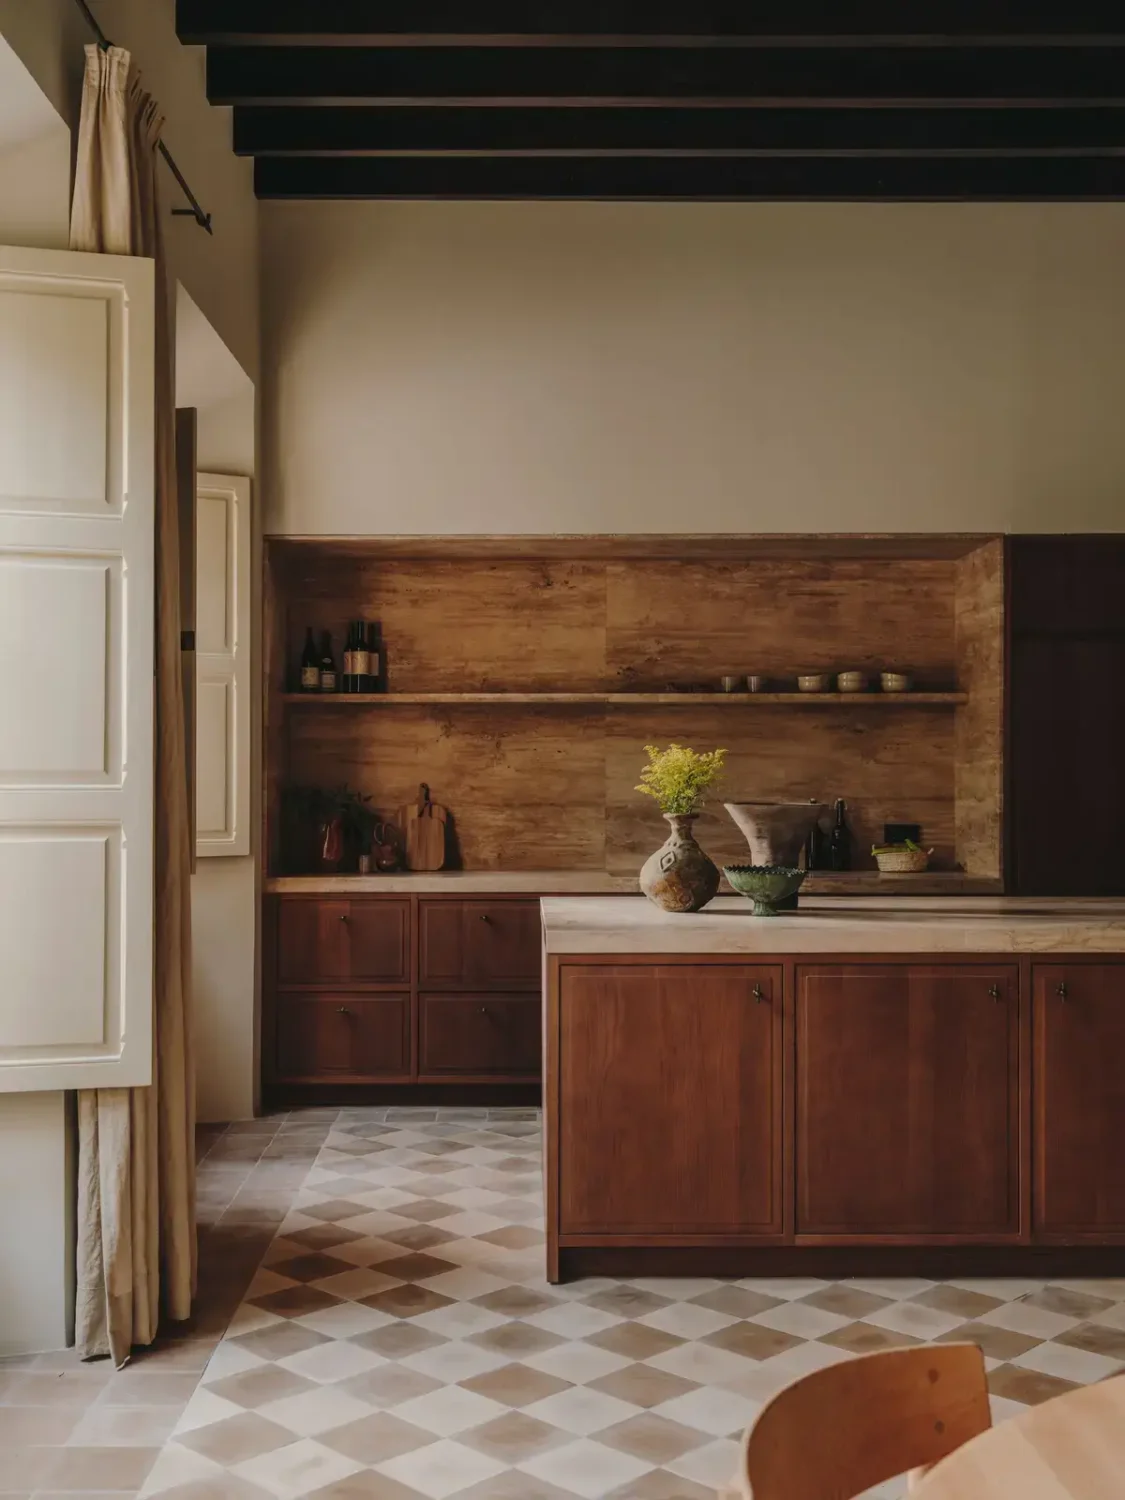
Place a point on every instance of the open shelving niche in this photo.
(515, 617)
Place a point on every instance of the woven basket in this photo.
(903, 862)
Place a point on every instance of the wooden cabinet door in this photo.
(907, 1100)
(343, 1037)
(1078, 1132)
(493, 944)
(479, 1035)
(329, 941)
(670, 1087)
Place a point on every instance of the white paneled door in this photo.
(76, 669)
(222, 659)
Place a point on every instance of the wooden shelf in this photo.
(633, 700)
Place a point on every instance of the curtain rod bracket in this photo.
(196, 210)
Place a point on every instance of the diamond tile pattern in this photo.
(400, 1339)
(389, 1334)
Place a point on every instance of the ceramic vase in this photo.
(679, 876)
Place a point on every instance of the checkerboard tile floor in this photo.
(399, 1340)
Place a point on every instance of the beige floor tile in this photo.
(652, 1437)
(514, 1384)
(234, 1439)
(1026, 1386)
(84, 1469)
(376, 1437)
(866, 1338)
(125, 1426)
(33, 1425)
(514, 1436)
(642, 1385)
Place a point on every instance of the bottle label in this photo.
(310, 677)
(327, 681)
(361, 662)
(373, 664)
(349, 663)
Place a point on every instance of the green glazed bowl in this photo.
(768, 886)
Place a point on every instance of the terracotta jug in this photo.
(679, 876)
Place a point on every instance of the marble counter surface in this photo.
(592, 883)
(841, 924)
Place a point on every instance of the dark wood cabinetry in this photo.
(846, 1116)
(907, 1100)
(401, 990)
(343, 1037)
(493, 943)
(670, 1101)
(329, 941)
(1066, 731)
(479, 1035)
(1079, 1099)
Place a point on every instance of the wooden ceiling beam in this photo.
(561, 22)
(281, 131)
(1036, 179)
(651, 75)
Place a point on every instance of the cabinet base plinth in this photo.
(835, 1262)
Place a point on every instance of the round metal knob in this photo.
(343, 916)
(994, 991)
(342, 1010)
(484, 917)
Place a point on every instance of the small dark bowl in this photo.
(766, 885)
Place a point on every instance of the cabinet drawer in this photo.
(342, 1036)
(341, 941)
(475, 1034)
(490, 944)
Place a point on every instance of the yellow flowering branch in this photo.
(678, 777)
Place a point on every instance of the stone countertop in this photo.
(841, 924)
(595, 883)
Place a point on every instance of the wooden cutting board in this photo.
(423, 832)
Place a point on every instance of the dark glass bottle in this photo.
(327, 664)
(310, 664)
(361, 659)
(840, 840)
(347, 675)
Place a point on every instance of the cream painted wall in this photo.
(599, 367)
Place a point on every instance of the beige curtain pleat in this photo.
(136, 1156)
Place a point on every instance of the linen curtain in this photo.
(136, 1156)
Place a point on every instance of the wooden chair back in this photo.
(839, 1431)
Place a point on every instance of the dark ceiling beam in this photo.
(663, 178)
(277, 131)
(871, 76)
(396, 22)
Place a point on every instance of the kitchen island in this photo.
(933, 1086)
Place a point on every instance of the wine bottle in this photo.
(327, 664)
(840, 842)
(347, 681)
(310, 664)
(376, 659)
(361, 659)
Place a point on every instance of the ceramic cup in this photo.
(813, 682)
(731, 684)
(756, 683)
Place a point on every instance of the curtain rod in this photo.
(196, 210)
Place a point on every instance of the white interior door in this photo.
(222, 660)
(76, 664)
